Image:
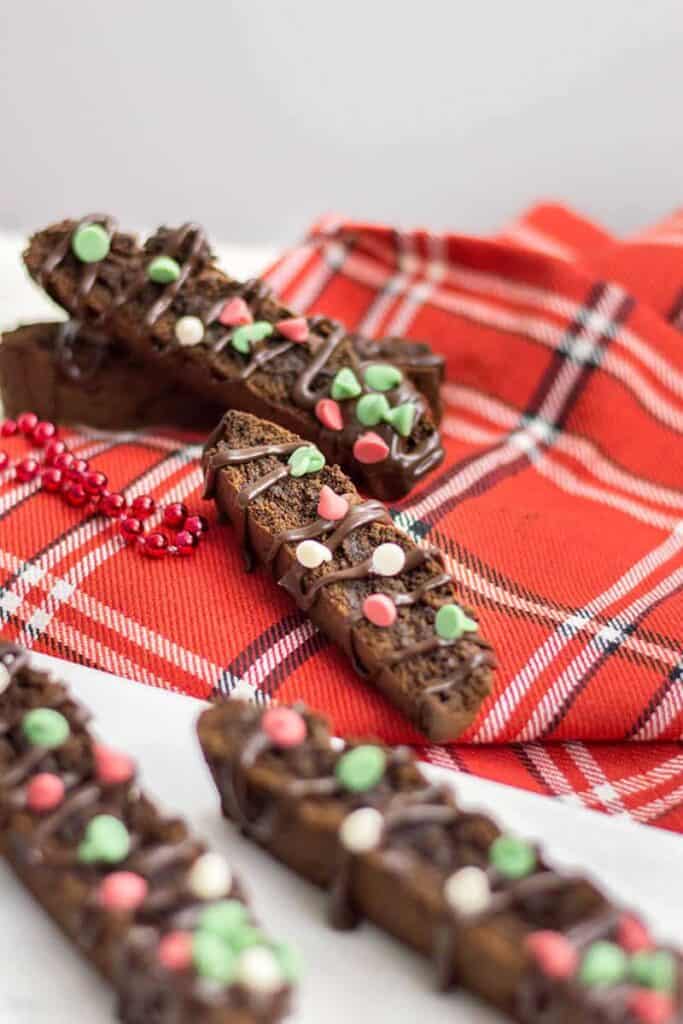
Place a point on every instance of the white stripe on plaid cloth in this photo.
(537, 241)
(543, 656)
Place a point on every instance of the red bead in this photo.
(143, 506)
(9, 428)
(27, 422)
(43, 432)
(196, 524)
(44, 792)
(75, 495)
(131, 529)
(185, 542)
(63, 460)
(77, 470)
(112, 505)
(175, 514)
(4, 460)
(95, 483)
(52, 450)
(27, 470)
(51, 479)
(156, 545)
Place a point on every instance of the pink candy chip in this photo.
(296, 328)
(329, 413)
(235, 313)
(44, 792)
(651, 1007)
(554, 953)
(175, 951)
(380, 610)
(330, 505)
(122, 890)
(113, 767)
(284, 727)
(370, 448)
(632, 934)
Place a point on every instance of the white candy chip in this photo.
(467, 891)
(189, 331)
(388, 559)
(5, 678)
(258, 969)
(361, 830)
(311, 554)
(210, 877)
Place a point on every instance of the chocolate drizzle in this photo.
(305, 592)
(161, 851)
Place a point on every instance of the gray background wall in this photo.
(253, 116)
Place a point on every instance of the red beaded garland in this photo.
(27, 422)
(43, 432)
(27, 470)
(62, 472)
(175, 514)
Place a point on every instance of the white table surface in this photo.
(42, 979)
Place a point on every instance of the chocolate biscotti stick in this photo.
(235, 344)
(70, 376)
(365, 823)
(162, 918)
(387, 602)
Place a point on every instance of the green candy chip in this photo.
(45, 727)
(163, 270)
(106, 841)
(289, 960)
(224, 919)
(306, 459)
(512, 857)
(382, 377)
(401, 418)
(653, 969)
(604, 963)
(90, 243)
(345, 385)
(244, 337)
(212, 958)
(361, 768)
(451, 622)
(372, 409)
(247, 938)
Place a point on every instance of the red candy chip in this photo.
(296, 328)
(370, 448)
(554, 953)
(235, 313)
(44, 792)
(113, 767)
(329, 413)
(632, 934)
(122, 890)
(175, 951)
(651, 1007)
(330, 505)
(285, 727)
(380, 610)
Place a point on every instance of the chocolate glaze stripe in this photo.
(358, 515)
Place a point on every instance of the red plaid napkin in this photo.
(559, 507)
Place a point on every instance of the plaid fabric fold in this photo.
(559, 508)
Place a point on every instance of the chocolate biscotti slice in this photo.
(234, 344)
(162, 918)
(70, 375)
(387, 602)
(364, 822)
